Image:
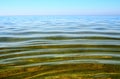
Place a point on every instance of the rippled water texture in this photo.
(59, 47)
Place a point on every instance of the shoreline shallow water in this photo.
(59, 47)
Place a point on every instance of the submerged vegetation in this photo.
(65, 71)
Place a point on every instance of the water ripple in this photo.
(60, 47)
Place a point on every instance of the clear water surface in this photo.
(59, 47)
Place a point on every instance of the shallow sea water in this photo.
(59, 47)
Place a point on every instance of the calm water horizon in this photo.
(59, 47)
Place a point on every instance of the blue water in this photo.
(57, 44)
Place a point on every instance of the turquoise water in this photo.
(59, 47)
